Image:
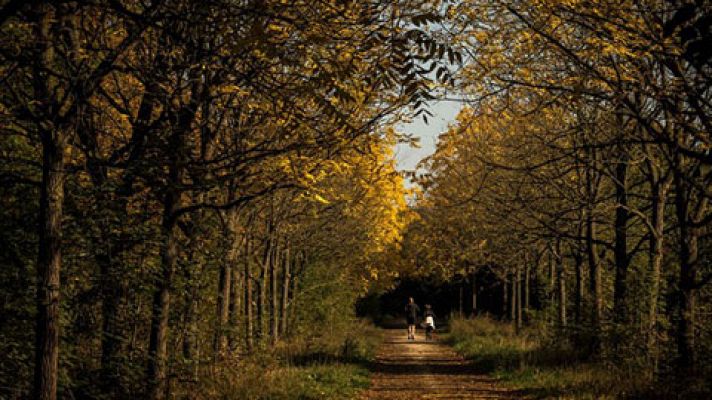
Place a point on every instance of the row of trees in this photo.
(186, 165)
(581, 173)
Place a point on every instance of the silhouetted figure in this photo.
(411, 315)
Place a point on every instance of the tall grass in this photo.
(539, 363)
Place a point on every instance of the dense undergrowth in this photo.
(545, 365)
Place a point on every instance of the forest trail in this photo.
(421, 370)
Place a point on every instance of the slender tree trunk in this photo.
(223, 312)
(249, 318)
(274, 295)
(473, 281)
(223, 303)
(513, 297)
(260, 294)
(190, 337)
(234, 307)
(505, 297)
(285, 291)
(688, 258)
(594, 280)
(655, 262)
(158, 352)
(578, 288)
(262, 323)
(620, 251)
(527, 295)
(552, 278)
(518, 296)
(561, 287)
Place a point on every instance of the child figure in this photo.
(429, 322)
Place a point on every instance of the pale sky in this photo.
(444, 113)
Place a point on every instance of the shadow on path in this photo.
(421, 369)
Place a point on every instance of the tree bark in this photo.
(688, 258)
(594, 281)
(274, 295)
(49, 263)
(505, 297)
(527, 295)
(224, 290)
(157, 362)
(578, 288)
(286, 277)
(262, 289)
(249, 317)
(518, 297)
(473, 282)
(513, 297)
(620, 250)
(655, 261)
(234, 308)
(49, 260)
(561, 287)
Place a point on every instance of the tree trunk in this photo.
(527, 275)
(620, 250)
(234, 308)
(513, 297)
(49, 263)
(274, 295)
(49, 259)
(223, 304)
(260, 294)
(157, 361)
(285, 292)
(505, 297)
(578, 288)
(249, 318)
(561, 288)
(473, 282)
(685, 336)
(518, 297)
(262, 322)
(552, 278)
(190, 337)
(594, 281)
(655, 261)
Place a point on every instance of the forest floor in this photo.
(422, 369)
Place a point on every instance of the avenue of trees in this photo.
(181, 180)
(580, 174)
(186, 185)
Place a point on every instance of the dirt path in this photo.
(421, 370)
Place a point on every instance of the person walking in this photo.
(411, 315)
(429, 322)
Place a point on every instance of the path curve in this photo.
(419, 369)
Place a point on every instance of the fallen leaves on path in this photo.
(420, 370)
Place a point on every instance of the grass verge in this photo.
(329, 367)
(538, 365)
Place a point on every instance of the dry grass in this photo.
(326, 366)
(538, 363)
